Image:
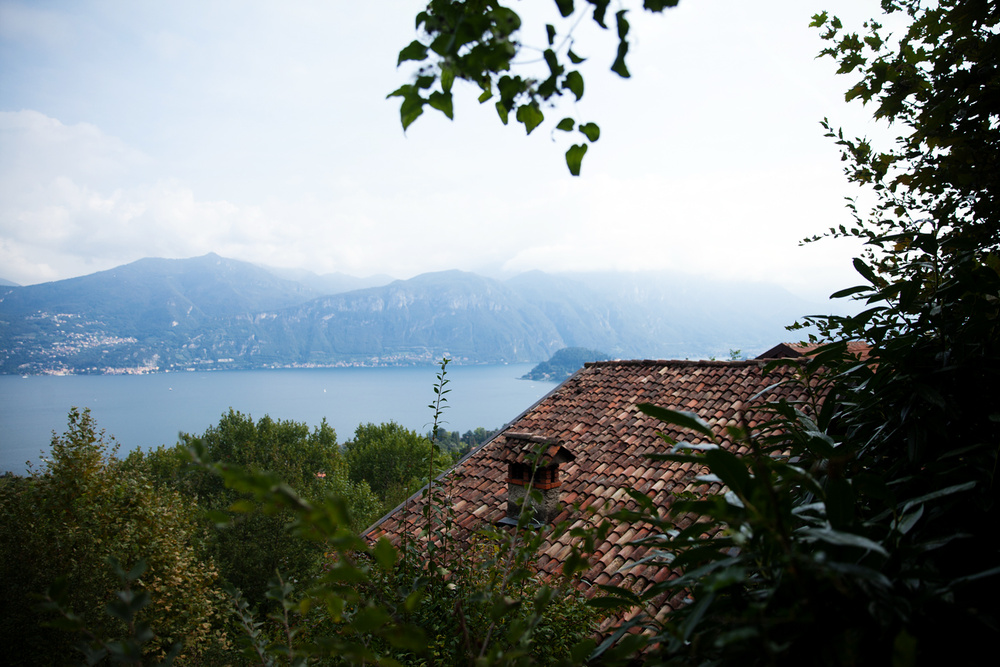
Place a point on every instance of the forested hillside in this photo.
(215, 313)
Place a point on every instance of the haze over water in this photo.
(150, 410)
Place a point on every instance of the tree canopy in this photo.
(61, 525)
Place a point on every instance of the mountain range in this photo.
(211, 312)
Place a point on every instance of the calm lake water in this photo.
(150, 410)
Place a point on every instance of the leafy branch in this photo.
(479, 42)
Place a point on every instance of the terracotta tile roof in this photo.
(593, 415)
(857, 348)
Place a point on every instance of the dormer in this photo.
(533, 465)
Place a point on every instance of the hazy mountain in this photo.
(131, 315)
(7, 283)
(152, 294)
(212, 312)
(468, 317)
(660, 314)
(330, 283)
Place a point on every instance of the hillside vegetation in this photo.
(210, 313)
(563, 363)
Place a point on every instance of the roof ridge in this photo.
(675, 362)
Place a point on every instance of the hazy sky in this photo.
(261, 131)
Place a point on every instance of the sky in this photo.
(261, 131)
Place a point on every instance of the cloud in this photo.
(264, 134)
(74, 198)
(35, 148)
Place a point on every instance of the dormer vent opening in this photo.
(533, 465)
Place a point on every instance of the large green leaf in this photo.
(574, 82)
(591, 131)
(729, 468)
(530, 115)
(414, 51)
(843, 538)
(574, 158)
(681, 418)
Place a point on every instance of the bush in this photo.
(253, 545)
(67, 520)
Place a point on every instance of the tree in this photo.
(255, 545)
(391, 459)
(64, 523)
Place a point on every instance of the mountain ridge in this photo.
(211, 312)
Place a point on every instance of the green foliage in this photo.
(66, 521)
(458, 444)
(484, 605)
(391, 459)
(435, 601)
(859, 529)
(126, 608)
(479, 42)
(564, 363)
(253, 544)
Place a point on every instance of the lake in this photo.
(150, 410)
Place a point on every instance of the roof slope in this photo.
(594, 416)
(856, 348)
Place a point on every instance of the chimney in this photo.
(533, 465)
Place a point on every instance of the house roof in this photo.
(593, 415)
(857, 348)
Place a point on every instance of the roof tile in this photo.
(594, 416)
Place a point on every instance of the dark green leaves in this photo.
(415, 51)
(865, 271)
(565, 7)
(530, 115)
(591, 131)
(413, 102)
(478, 43)
(442, 102)
(574, 83)
(574, 158)
(619, 67)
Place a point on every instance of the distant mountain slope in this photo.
(659, 314)
(7, 283)
(466, 316)
(150, 295)
(212, 312)
(330, 283)
(128, 315)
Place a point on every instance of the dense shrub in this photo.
(66, 520)
(253, 545)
